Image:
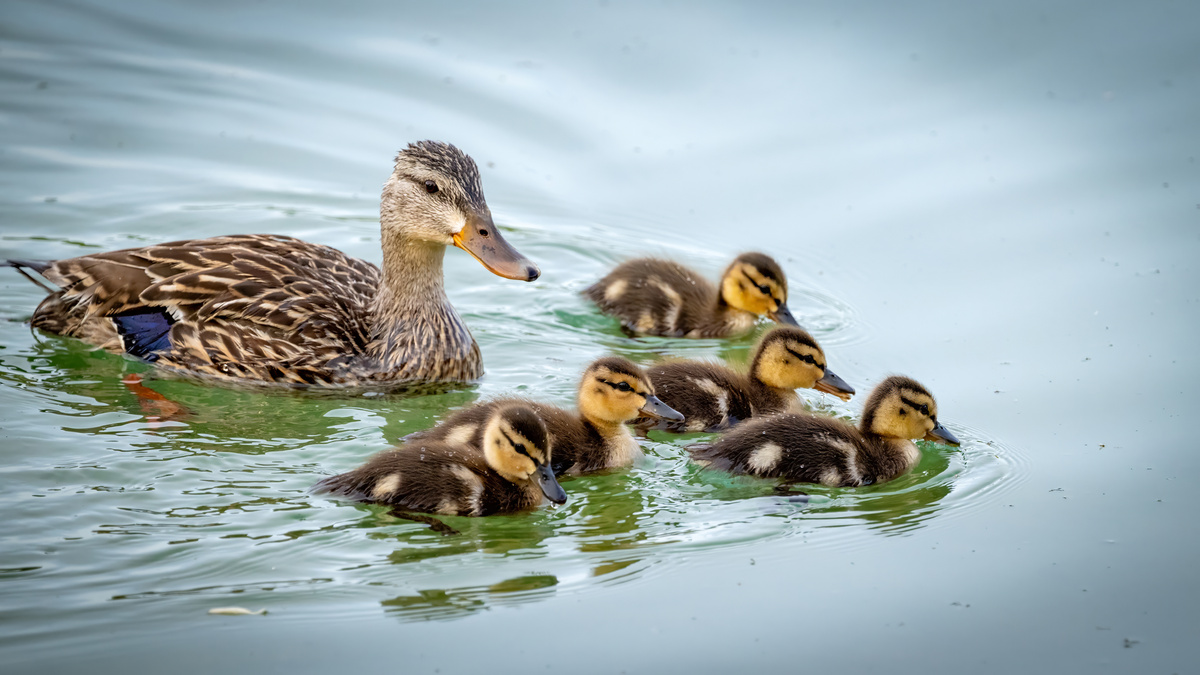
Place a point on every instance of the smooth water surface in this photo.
(1001, 201)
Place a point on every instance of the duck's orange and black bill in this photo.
(549, 484)
(832, 384)
(940, 434)
(657, 409)
(784, 316)
(481, 238)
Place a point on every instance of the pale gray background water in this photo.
(999, 199)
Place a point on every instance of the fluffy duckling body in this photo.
(713, 397)
(812, 449)
(612, 391)
(660, 297)
(511, 473)
(270, 309)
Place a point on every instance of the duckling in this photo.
(269, 309)
(612, 391)
(512, 473)
(812, 449)
(661, 297)
(714, 397)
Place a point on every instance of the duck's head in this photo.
(899, 407)
(435, 196)
(517, 446)
(789, 358)
(755, 283)
(615, 390)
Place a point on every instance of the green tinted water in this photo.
(1000, 202)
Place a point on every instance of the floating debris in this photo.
(236, 611)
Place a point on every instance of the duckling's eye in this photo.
(924, 410)
(624, 386)
(431, 187)
(766, 290)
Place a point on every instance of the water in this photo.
(1000, 201)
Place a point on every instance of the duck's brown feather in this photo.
(265, 308)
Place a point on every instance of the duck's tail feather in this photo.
(38, 266)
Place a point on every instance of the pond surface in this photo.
(1002, 201)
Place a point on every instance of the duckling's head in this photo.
(615, 390)
(900, 407)
(435, 196)
(755, 283)
(517, 446)
(788, 357)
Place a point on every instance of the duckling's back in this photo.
(658, 297)
(710, 397)
(432, 477)
(576, 446)
(799, 448)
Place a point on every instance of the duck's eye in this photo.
(766, 290)
(624, 386)
(810, 360)
(924, 410)
(431, 187)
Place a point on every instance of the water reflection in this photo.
(441, 604)
(86, 383)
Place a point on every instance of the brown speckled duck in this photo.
(612, 391)
(713, 397)
(660, 297)
(271, 309)
(813, 449)
(511, 473)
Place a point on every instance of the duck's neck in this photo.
(621, 447)
(768, 399)
(414, 327)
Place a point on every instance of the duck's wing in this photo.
(240, 298)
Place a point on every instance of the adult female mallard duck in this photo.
(813, 449)
(273, 309)
(660, 297)
(713, 397)
(511, 472)
(612, 391)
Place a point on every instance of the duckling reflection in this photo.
(442, 604)
(812, 449)
(714, 397)
(510, 473)
(660, 297)
(612, 391)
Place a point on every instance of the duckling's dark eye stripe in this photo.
(922, 408)
(619, 386)
(517, 446)
(807, 358)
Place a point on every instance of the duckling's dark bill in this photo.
(549, 485)
(832, 384)
(656, 408)
(784, 316)
(481, 238)
(941, 434)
